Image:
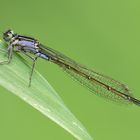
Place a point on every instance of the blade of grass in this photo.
(14, 77)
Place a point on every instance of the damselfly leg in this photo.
(9, 53)
(33, 65)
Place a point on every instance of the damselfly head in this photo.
(8, 35)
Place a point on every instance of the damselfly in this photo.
(96, 82)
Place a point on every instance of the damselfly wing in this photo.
(97, 83)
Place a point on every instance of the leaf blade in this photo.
(14, 77)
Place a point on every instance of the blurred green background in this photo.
(104, 35)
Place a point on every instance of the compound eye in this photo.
(9, 32)
(7, 36)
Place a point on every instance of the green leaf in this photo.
(15, 77)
